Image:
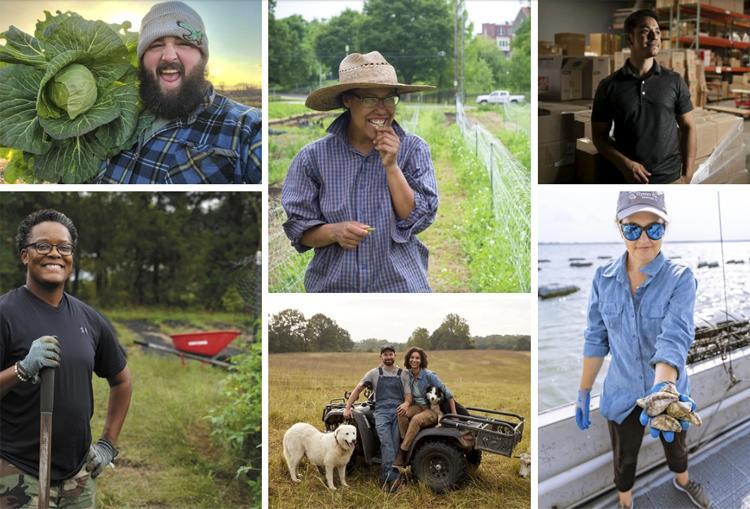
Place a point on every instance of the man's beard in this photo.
(179, 103)
(389, 362)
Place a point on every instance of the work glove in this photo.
(645, 419)
(583, 404)
(44, 353)
(100, 455)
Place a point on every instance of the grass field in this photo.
(301, 384)
(168, 457)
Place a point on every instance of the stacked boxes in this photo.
(714, 131)
(557, 142)
(560, 79)
(573, 45)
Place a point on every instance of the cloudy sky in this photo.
(394, 317)
(480, 11)
(233, 28)
(586, 214)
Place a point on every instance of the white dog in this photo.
(524, 468)
(331, 450)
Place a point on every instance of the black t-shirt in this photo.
(644, 111)
(87, 345)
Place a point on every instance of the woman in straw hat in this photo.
(641, 312)
(360, 195)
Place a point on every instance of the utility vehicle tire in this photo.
(482, 102)
(441, 465)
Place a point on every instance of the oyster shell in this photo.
(657, 402)
(680, 410)
(664, 422)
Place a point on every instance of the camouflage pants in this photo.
(19, 490)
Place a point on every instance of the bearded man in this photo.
(197, 136)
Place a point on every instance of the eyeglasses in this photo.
(44, 248)
(372, 101)
(632, 231)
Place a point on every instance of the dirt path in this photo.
(448, 271)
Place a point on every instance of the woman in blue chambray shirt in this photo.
(415, 413)
(360, 195)
(641, 312)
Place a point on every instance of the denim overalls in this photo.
(389, 394)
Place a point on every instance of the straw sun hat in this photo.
(360, 71)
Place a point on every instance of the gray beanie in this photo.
(174, 19)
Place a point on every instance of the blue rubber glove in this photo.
(645, 419)
(583, 404)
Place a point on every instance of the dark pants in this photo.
(626, 441)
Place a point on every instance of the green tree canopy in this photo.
(286, 331)
(453, 334)
(420, 337)
(333, 38)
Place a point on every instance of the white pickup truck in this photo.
(500, 97)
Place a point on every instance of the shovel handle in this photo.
(47, 399)
(47, 390)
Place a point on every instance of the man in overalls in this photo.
(391, 387)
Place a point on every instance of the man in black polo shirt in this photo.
(646, 103)
(42, 327)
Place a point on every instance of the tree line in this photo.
(182, 250)
(416, 36)
(290, 331)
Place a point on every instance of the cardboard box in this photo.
(595, 69)
(601, 44)
(706, 136)
(556, 142)
(549, 48)
(619, 59)
(560, 79)
(592, 167)
(573, 45)
(665, 4)
(678, 61)
(582, 124)
(664, 58)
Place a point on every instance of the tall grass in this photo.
(168, 457)
(301, 384)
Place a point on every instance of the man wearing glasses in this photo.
(42, 327)
(361, 194)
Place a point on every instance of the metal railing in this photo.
(511, 191)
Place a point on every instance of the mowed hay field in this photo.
(300, 385)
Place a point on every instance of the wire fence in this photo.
(511, 190)
(517, 116)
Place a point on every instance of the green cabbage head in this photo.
(73, 89)
(69, 95)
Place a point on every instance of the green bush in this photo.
(238, 423)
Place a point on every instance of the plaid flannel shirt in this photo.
(330, 182)
(220, 143)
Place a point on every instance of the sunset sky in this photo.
(233, 28)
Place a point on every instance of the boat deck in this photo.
(723, 467)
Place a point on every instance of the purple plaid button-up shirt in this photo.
(330, 182)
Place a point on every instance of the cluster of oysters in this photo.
(666, 410)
